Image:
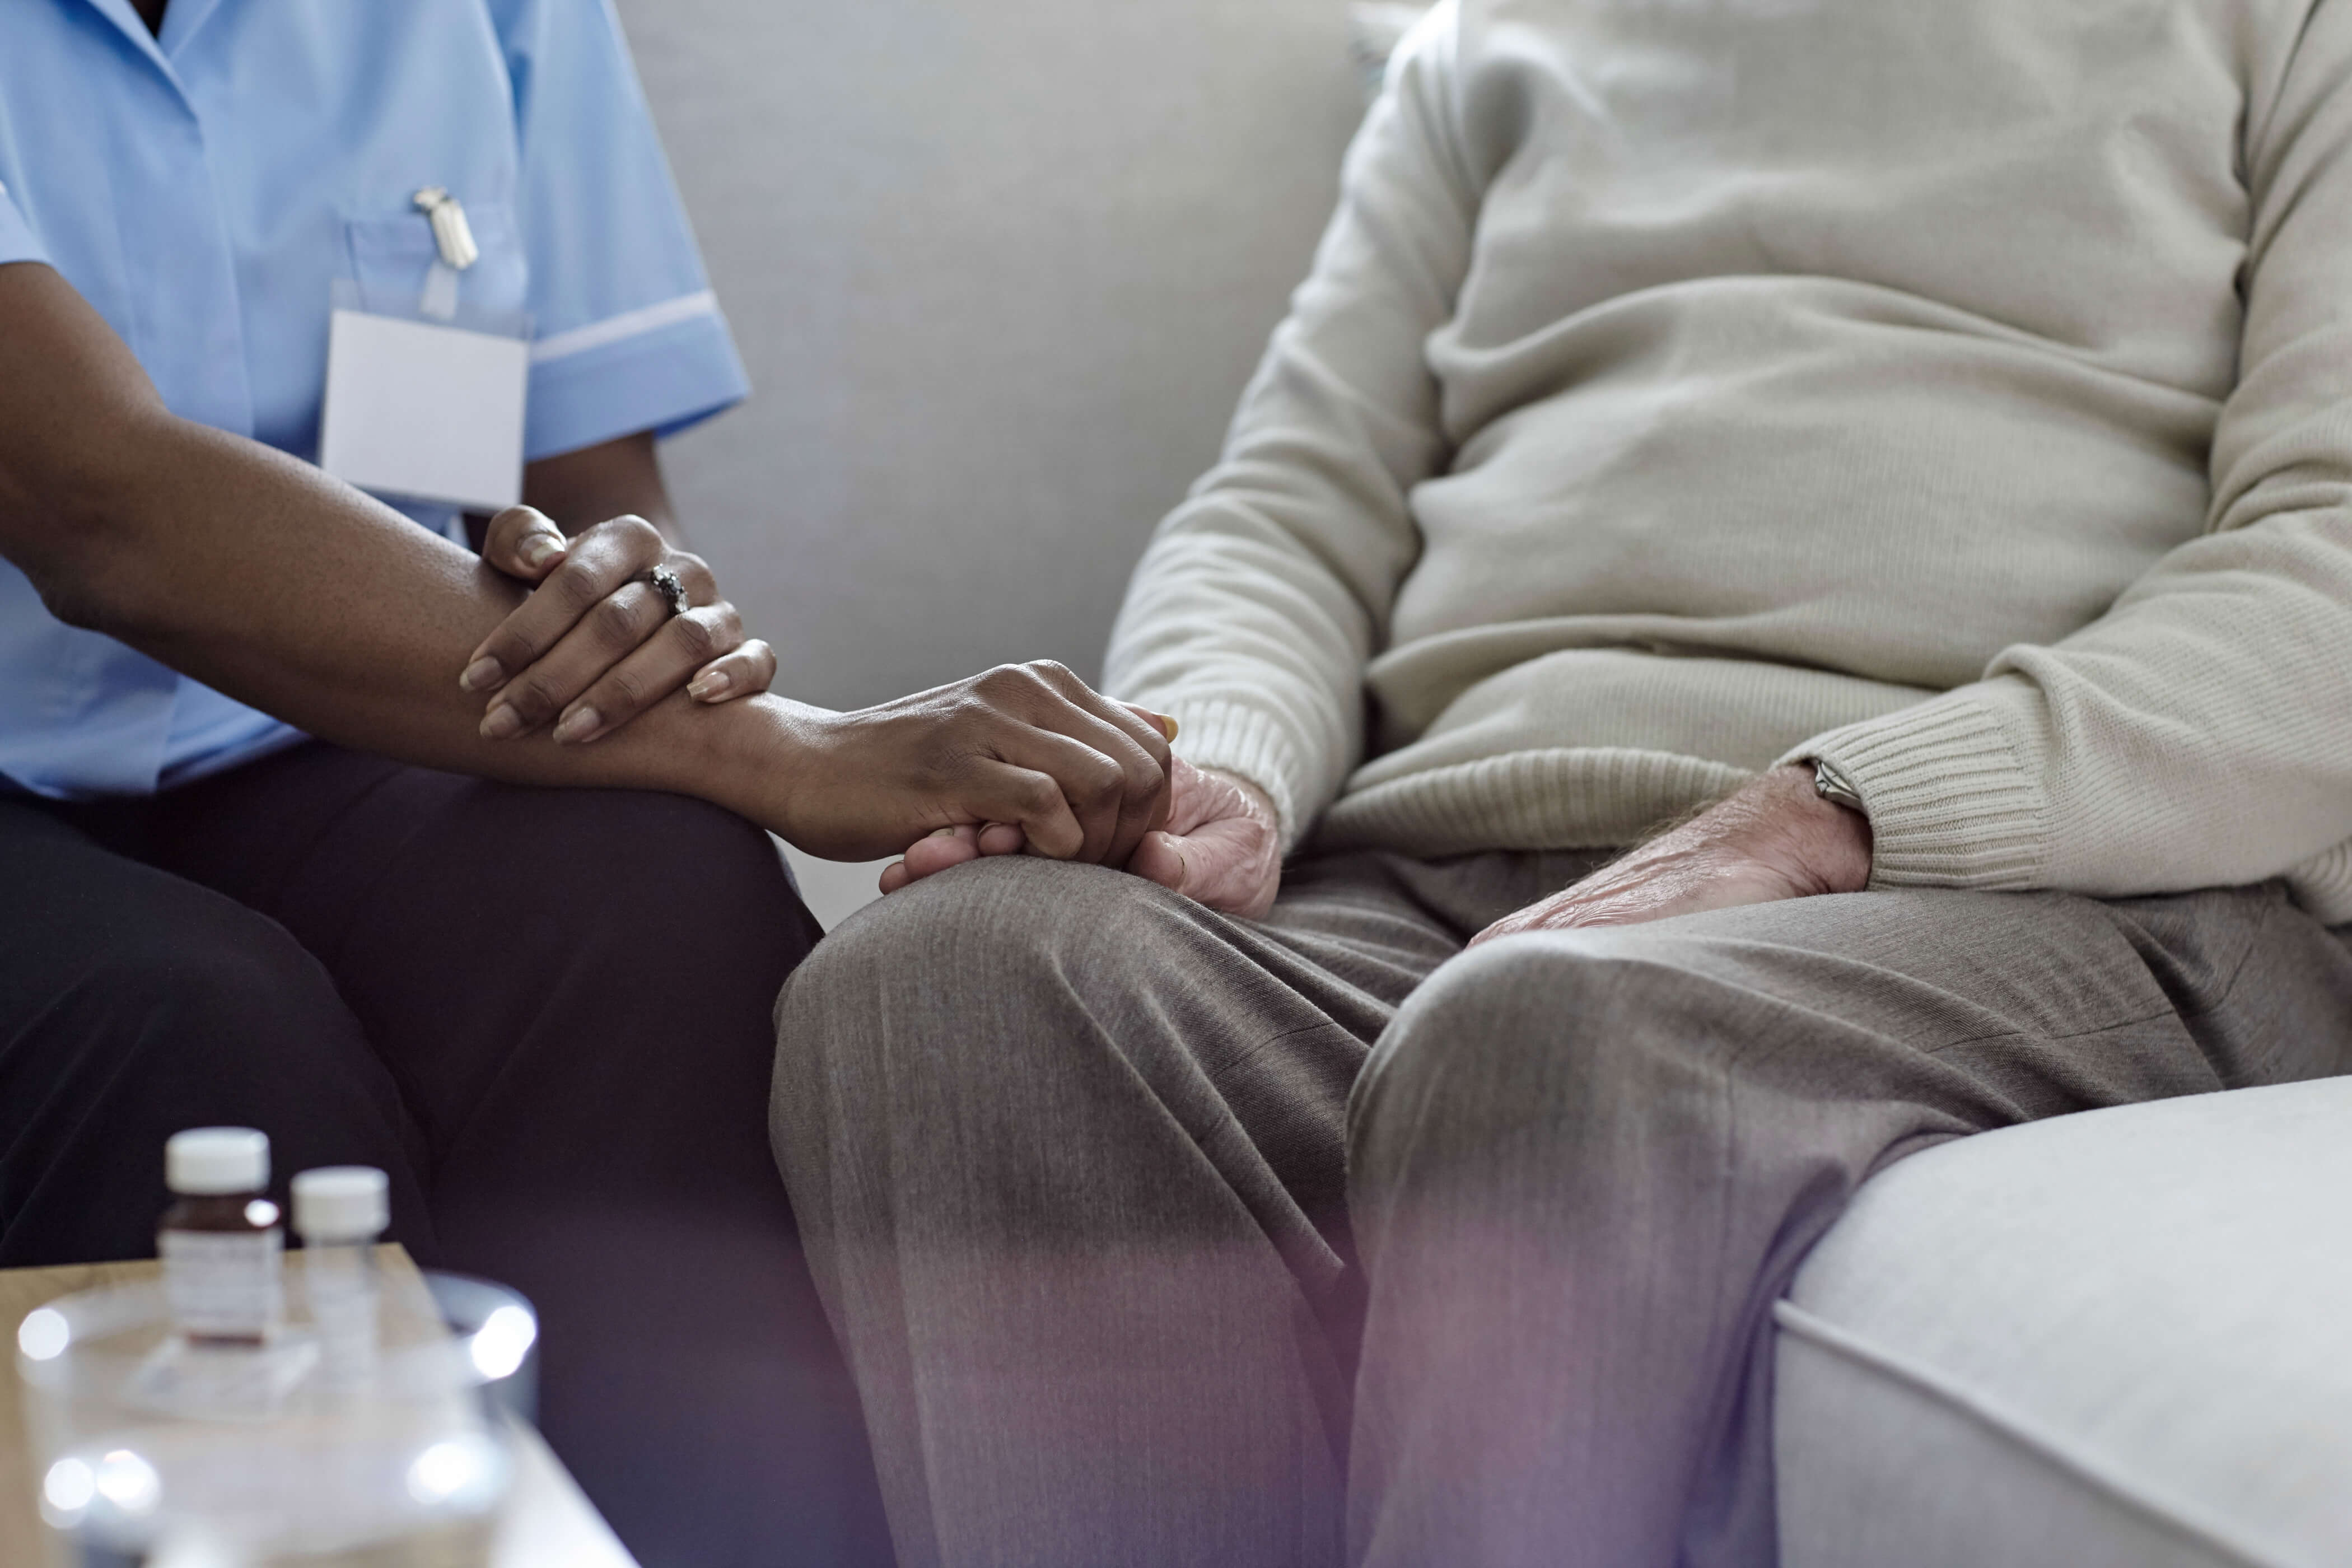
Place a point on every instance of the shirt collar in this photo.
(181, 20)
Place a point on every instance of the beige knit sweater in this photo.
(1957, 390)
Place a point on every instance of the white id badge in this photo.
(424, 409)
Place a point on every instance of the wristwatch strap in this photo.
(1831, 785)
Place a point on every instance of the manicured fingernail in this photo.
(577, 725)
(711, 684)
(502, 722)
(482, 674)
(944, 833)
(1169, 724)
(541, 548)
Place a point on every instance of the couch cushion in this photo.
(1000, 273)
(2119, 1338)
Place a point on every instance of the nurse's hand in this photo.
(595, 643)
(1028, 748)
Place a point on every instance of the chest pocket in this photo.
(389, 258)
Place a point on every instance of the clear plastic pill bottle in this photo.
(339, 1212)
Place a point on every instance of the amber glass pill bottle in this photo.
(222, 1248)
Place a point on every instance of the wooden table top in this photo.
(547, 1522)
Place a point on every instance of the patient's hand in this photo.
(1775, 839)
(1222, 845)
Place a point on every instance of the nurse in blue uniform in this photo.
(266, 859)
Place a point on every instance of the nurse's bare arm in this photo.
(613, 479)
(288, 590)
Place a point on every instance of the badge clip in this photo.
(453, 240)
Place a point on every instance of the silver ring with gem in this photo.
(672, 589)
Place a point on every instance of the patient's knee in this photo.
(937, 955)
(1554, 1035)
(1003, 908)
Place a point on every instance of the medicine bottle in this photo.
(221, 1247)
(339, 1212)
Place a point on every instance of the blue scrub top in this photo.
(206, 190)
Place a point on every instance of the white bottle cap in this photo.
(207, 1161)
(341, 1203)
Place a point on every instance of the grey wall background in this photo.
(998, 271)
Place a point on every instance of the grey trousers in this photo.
(1160, 1237)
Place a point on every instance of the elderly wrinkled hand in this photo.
(598, 642)
(1775, 839)
(1222, 846)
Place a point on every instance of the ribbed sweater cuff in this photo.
(1233, 739)
(1951, 802)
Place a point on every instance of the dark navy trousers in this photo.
(545, 1013)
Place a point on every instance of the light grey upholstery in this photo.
(999, 272)
(2117, 1338)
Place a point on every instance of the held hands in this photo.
(1775, 839)
(1019, 757)
(1030, 749)
(595, 643)
(1027, 752)
(1219, 843)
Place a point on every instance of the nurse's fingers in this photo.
(1005, 838)
(600, 692)
(1033, 801)
(523, 542)
(749, 669)
(595, 567)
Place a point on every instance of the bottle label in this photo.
(341, 1282)
(224, 1286)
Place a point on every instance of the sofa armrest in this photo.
(2119, 1337)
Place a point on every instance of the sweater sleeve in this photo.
(2199, 733)
(1254, 610)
